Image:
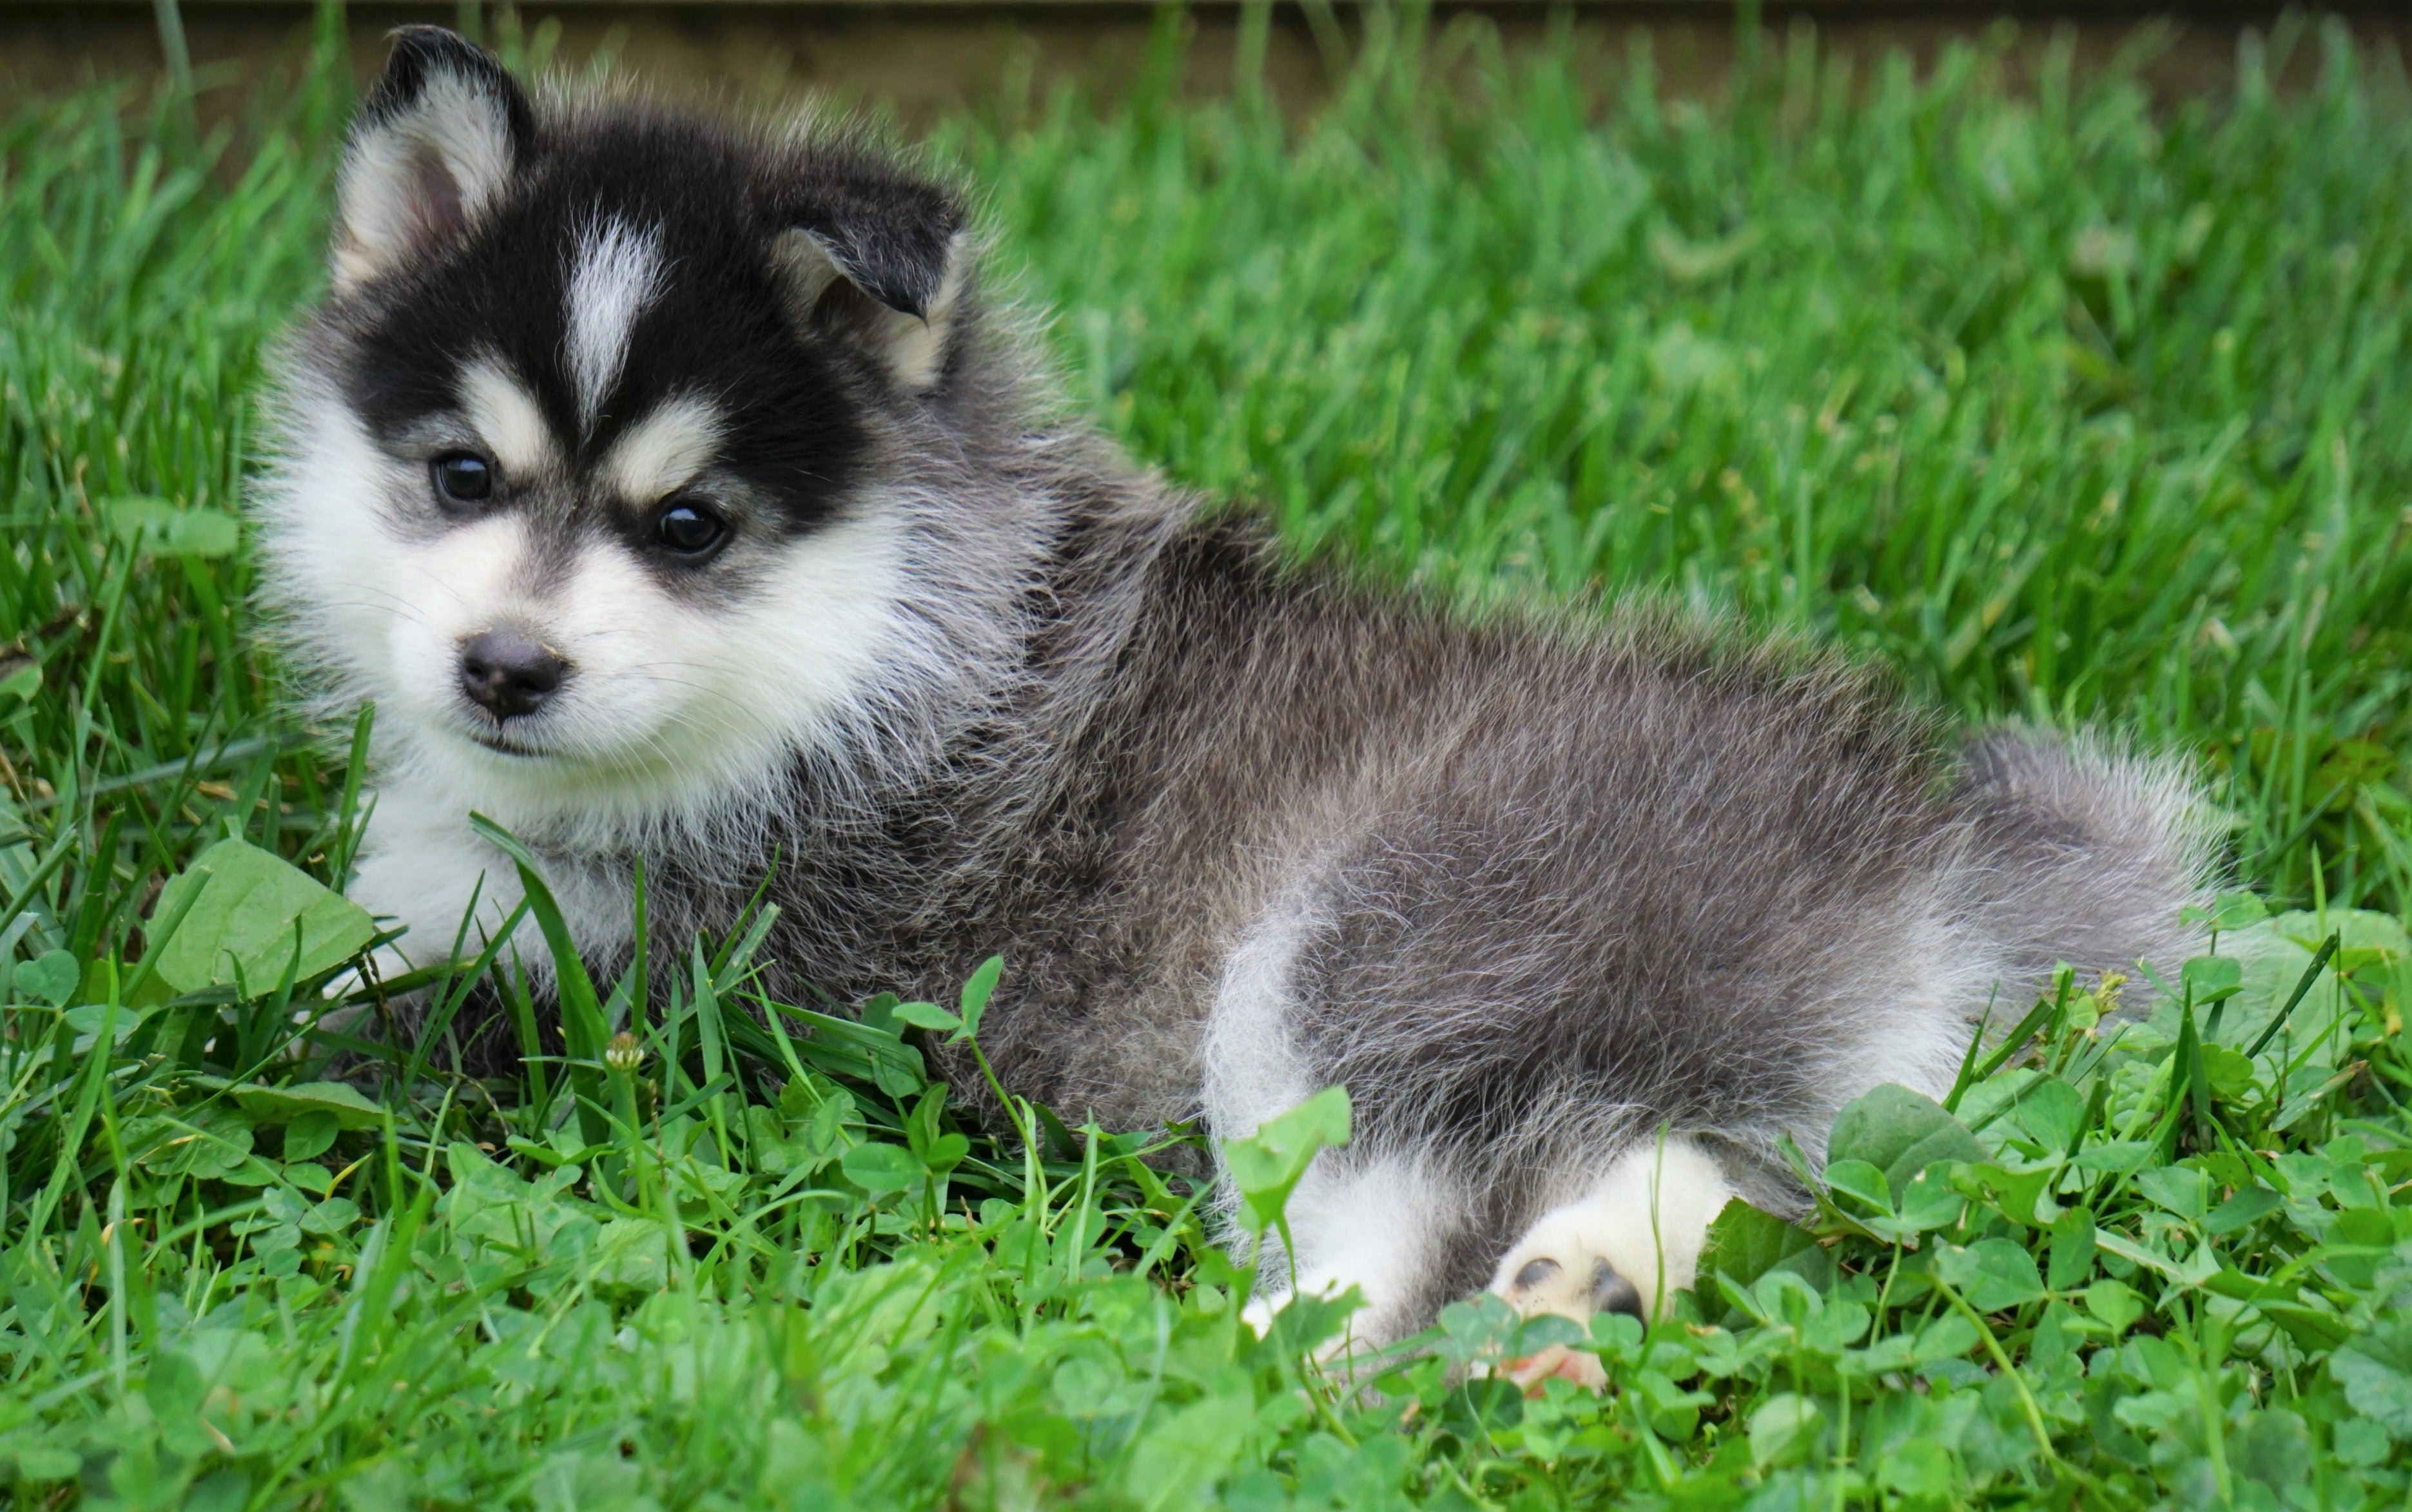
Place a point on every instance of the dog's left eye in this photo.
(689, 530)
(464, 477)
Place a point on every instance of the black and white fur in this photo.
(1587, 918)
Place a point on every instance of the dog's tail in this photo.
(2085, 854)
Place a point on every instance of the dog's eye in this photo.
(688, 529)
(464, 477)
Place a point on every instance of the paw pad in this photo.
(1545, 1284)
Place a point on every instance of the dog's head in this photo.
(591, 460)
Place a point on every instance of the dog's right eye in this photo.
(464, 477)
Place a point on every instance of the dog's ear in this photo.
(431, 148)
(876, 258)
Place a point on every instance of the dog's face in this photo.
(582, 478)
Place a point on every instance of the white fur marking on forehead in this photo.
(664, 449)
(615, 274)
(506, 418)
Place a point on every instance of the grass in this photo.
(2070, 408)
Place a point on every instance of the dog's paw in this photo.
(1621, 1247)
(1575, 1288)
(1559, 1269)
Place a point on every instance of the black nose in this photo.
(506, 673)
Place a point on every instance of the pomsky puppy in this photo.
(673, 492)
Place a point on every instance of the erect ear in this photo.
(880, 260)
(431, 149)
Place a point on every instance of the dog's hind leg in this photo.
(1379, 1224)
(1380, 1218)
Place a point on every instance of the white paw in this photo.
(1621, 1247)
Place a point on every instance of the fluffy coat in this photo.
(1555, 900)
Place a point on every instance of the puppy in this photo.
(674, 494)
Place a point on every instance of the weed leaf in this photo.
(2375, 1370)
(1900, 1134)
(1992, 1275)
(1268, 1165)
(253, 907)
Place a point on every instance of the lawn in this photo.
(2069, 406)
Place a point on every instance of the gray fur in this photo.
(1533, 888)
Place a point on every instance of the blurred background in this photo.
(922, 57)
